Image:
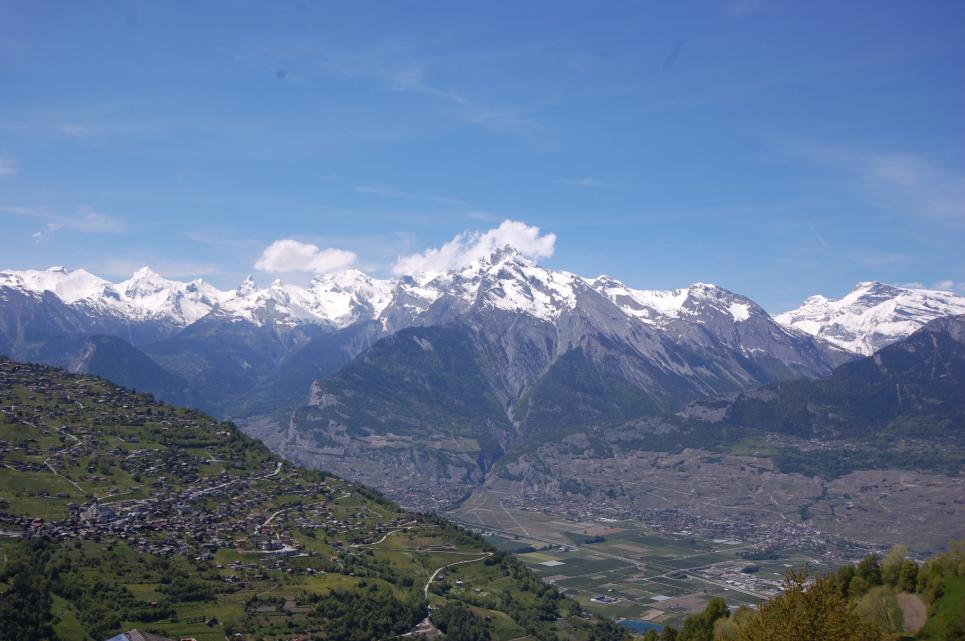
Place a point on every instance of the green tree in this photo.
(728, 628)
(700, 627)
(459, 623)
(881, 607)
(843, 579)
(25, 607)
(816, 612)
(908, 577)
(870, 570)
(892, 563)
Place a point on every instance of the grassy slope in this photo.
(947, 619)
(89, 429)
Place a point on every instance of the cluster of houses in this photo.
(190, 494)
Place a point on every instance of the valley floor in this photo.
(747, 497)
(622, 568)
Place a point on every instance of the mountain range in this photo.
(475, 360)
(272, 343)
(422, 384)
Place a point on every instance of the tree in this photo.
(843, 579)
(459, 623)
(25, 606)
(728, 628)
(908, 576)
(816, 612)
(669, 633)
(700, 627)
(892, 563)
(881, 607)
(869, 570)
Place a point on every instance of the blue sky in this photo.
(777, 148)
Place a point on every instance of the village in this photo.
(102, 479)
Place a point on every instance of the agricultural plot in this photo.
(622, 570)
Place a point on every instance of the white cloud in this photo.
(44, 233)
(88, 220)
(945, 284)
(289, 255)
(950, 285)
(470, 246)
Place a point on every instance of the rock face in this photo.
(872, 315)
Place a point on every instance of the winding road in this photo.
(425, 590)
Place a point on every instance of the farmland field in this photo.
(622, 570)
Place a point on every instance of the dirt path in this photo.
(432, 578)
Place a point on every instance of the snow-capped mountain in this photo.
(144, 296)
(523, 317)
(505, 281)
(508, 281)
(335, 300)
(872, 315)
(148, 295)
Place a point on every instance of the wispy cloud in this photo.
(8, 167)
(920, 184)
(745, 7)
(950, 285)
(388, 192)
(217, 240)
(411, 75)
(946, 284)
(81, 127)
(45, 233)
(84, 220)
(398, 67)
(904, 182)
(80, 132)
(587, 181)
(880, 259)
